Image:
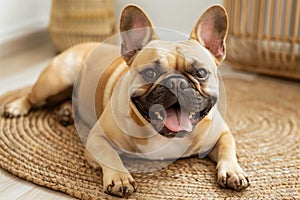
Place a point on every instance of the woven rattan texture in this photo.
(264, 36)
(264, 117)
(77, 21)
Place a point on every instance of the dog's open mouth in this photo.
(173, 121)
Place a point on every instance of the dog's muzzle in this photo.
(174, 106)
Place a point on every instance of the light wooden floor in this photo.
(19, 70)
(22, 69)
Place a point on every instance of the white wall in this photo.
(20, 17)
(180, 15)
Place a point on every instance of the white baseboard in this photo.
(24, 42)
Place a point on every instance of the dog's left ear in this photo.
(211, 31)
(136, 31)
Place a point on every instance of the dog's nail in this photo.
(248, 181)
(124, 190)
(109, 188)
(133, 185)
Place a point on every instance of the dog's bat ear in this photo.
(211, 31)
(136, 31)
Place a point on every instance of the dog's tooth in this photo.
(158, 116)
(192, 114)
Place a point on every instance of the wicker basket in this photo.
(264, 36)
(77, 21)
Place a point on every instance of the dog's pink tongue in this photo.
(177, 121)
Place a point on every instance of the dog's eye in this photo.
(202, 74)
(149, 73)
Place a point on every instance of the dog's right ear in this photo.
(211, 31)
(136, 31)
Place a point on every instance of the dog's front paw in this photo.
(17, 108)
(118, 183)
(232, 176)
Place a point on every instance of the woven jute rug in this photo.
(264, 115)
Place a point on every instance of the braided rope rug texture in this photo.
(263, 115)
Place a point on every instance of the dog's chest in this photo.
(157, 147)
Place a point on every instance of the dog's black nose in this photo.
(176, 83)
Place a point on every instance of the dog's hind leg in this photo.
(57, 77)
(48, 84)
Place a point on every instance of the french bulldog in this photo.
(168, 89)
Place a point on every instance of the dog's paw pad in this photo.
(19, 107)
(122, 184)
(232, 176)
